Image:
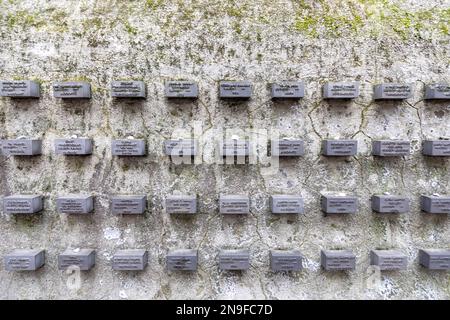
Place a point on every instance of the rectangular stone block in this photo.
(332, 204)
(181, 147)
(234, 204)
(435, 204)
(392, 91)
(332, 260)
(21, 147)
(436, 148)
(234, 260)
(130, 260)
(288, 90)
(341, 90)
(437, 91)
(73, 147)
(233, 147)
(22, 204)
(181, 204)
(75, 204)
(128, 147)
(128, 89)
(132, 204)
(235, 89)
(388, 259)
(19, 89)
(184, 259)
(339, 148)
(390, 204)
(286, 204)
(435, 259)
(81, 258)
(287, 148)
(285, 260)
(181, 89)
(391, 148)
(24, 260)
(72, 90)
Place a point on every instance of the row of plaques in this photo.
(228, 204)
(233, 147)
(227, 90)
(234, 260)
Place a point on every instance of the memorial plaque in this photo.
(435, 259)
(234, 147)
(181, 147)
(234, 259)
(339, 148)
(130, 260)
(392, 91)
(81, 258)
(288, 90)
(24, 260)
(181, 89)
(341, 90)
(388, 259)
(128, 89)
(391, 148)
(390, 204)
(437, 91)
(287, 148)
(134, 204)
(435, 204)
(181, 204)
(285, 260)
(235, 89)
(73, 147)
(128, 147)
(436, 148)
(72, 90)
(184, 259)
(234, 204)
(19, 89)
(21, 147)
(339, 204)
(286, 204)
(337, 260)
(76, 204)
(22, 204)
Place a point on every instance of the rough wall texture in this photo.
(206, 41)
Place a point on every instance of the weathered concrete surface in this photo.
(208, 41)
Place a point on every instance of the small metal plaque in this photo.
(435, 259)
(388, 259)
(436, 148)
(128, 89)
(181, 204)
(288, 90)
(72, 90)
(21, 147)
(76, 146)
(184, 259)
(390, 204)
(392, 91)
(437, 91)
(341, 90)
(130, 260)
(19, 89)
(234, 204)
(234, 147)
(287, 148)
(22, 204)
(181, 147)
(286, 204)
(84, 259)
(332, 204)
(435, 204)
(337, 260)
(339, 148)
(391, 148)
(133, 204)
(234, 259)
(285, 260)
(24, 260)
(181, 89)
(76, 204)
(235, 89)
(128, 147)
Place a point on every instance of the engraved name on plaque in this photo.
(84, 259)
(234, 147)
(391, 148)
(234, 204)
(388, 259)
(435, 203)
(338, 203)
(436, 148)
(438, 91)
(181, 89)
(75, 204)
(337, 260)
(291, 204)
(182, 259)
(287, 148)
(73, 146)
(288, 90)
(285, 260)
(234, 259)
(128, 89)
(341, 90)
(19, 89)
(235, 90)
(130, 260)
(392, 91)
(132, 204)
(24, 260)
(22, 204)
(181, 147)
(21, 147)
(390, 204)
(128, 147)
(72, 90)
(339, 148)
(435, 259)
(181, 204)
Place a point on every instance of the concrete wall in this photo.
(207, 41)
